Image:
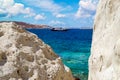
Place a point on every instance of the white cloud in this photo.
(39, 17)
(17, 8)
(57, 23)
(6, 3)
(11, 8)
(48, 5)
(2, 11)
(87, 8)
(30, 15)
(60, 15)
(89, 5)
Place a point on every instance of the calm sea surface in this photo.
(73, 46)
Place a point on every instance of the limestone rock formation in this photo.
(23, 56)
(104, 62)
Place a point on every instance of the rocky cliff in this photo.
(104, 62)
(25, 57)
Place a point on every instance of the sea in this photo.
(73, 46)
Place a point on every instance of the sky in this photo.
(57, 13)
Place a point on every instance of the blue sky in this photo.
(57, 13)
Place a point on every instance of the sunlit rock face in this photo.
(104, 62)
(23, 56)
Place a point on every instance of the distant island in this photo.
(36, 26)
(27, 25)
(42, 26)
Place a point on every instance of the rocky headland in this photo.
(23, 56)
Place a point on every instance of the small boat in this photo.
(59, 29)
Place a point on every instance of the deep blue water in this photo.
(73, 46)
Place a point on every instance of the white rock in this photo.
(104, 62)
(23, 56)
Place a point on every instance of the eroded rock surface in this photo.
(104, 62)
(23, 56)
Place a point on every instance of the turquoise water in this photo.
(73, 46)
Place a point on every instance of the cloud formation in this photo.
(87, 8)
(51, 12)
(48, 5)
(10, 8)
(60, 15)
(57, 23)
(39, 17)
